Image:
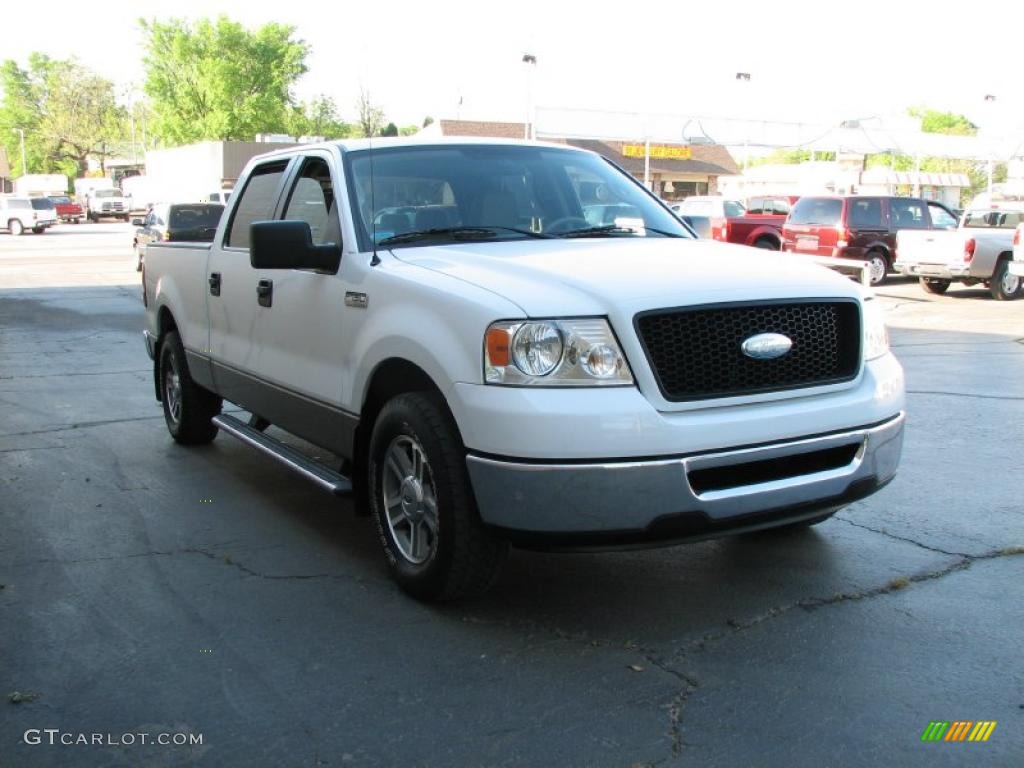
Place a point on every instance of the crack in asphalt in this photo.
(906, 539)
(220, 557)
(68, 375)
(80, 425)
(962, 394)
(675, 707)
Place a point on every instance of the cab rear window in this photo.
(993, 219)
(811, 210)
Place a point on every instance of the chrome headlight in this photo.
(560, 353)
(876, 335)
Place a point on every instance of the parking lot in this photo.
(149, 588)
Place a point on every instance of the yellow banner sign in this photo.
(658, 150)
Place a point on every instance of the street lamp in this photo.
(24, 163)
(531, 61)
(990, 99)
(744, 77)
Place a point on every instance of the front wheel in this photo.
(936, 285)
(435, 543)
(16, 227)
(1004, 286)
(38, 230)
(188, 408)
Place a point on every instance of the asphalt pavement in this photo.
(212, 597)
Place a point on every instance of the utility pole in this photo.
(24, 162)
(529, 130)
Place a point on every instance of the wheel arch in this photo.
(165, 323)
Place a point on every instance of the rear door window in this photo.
(817, 210)
(257, 202)
(907, 213)
(941, 218)
(866, 213)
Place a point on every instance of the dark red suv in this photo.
(860, 227)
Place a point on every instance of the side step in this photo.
(323, 476)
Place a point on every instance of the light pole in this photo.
(24, 163)
(990, 99)
(531, 61)
(744, 77)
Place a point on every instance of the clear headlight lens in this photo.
(876, 335)
(577, 352)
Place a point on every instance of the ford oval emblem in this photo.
(766, 346)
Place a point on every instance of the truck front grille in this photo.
(696, 353)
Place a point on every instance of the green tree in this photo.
(318, 117)
(218, 80)
(933, 121)
(389, 130)
(68, 113)
(369, 117)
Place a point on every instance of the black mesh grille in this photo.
(696, 353)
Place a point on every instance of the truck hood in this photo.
(549, 278)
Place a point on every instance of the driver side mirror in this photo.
(289, 245)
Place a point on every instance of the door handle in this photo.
(214, 281)
(265, 293)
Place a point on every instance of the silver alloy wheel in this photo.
(1009, 283)
(877, 266)
(410, 499)
(172, 390)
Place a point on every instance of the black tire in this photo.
(1004, 286)
(138, 258)
(16, 227)
(188, 408)
(458, 556)
(38, 230)
(879, 267)
(767, 243)
(935, 285)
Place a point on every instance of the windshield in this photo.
(432, 194)
(107, 193)
(198, 216)
(61, 200)
(42, 203)
(989, 219)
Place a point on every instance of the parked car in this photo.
(107, 203)
(1017, 264)
(858, 227)
(221, 196)
(20, 213)
(731, 222)
(177, 222)
(699, 224)
(771, 205)
(68, 210)
(518, 375)
(980, 250)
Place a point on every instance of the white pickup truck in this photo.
(978, 251)
(512, 342)
(107, 203)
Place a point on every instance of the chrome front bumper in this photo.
(624, 499)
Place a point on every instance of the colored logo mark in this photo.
(958, 730)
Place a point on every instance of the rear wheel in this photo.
(878, 267)
(16, 227)
(1004, 286)
(767, 243)
(38, 230)
(934, 284)
(188, 408)
(421, 500)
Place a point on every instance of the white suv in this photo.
(20, 213)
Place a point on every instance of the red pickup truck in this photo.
(67, 209)
(731, 221)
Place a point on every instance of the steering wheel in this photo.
(578, 222)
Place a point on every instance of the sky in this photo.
(814, 62)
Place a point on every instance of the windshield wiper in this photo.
(457, 233)
(612, 229)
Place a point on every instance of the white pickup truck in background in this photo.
(978, 251)
(489, 366)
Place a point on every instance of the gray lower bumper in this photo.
(940, 271)
(624, 496)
